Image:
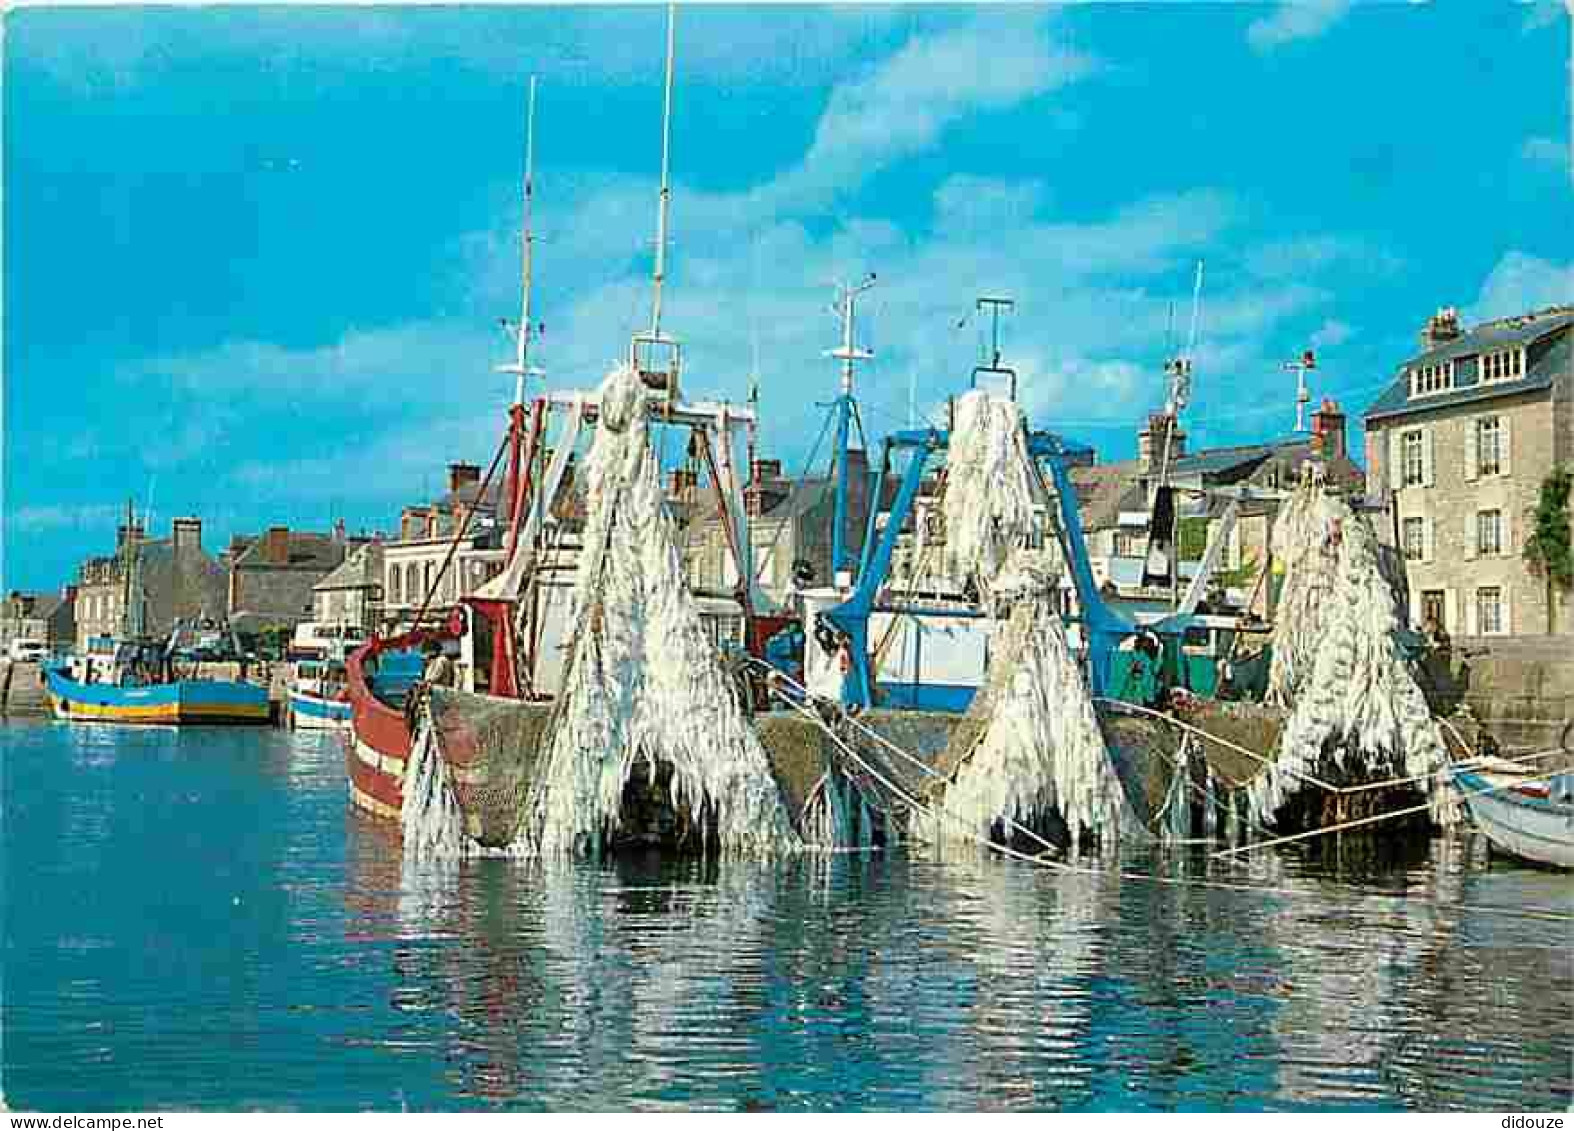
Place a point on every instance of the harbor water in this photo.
(195, 919)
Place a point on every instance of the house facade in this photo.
(413, 564)
(176, 579)
(1459, 446)
(352, 594)
(270, 580)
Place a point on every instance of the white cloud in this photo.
(1296, 19)
(902, 105)
(1331, 334)
(54, 518)
(1520, 283)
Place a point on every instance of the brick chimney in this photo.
(187, 535)
(461, 474)
(276, 546)
(1328, 437)
(1441, 327)
(1150, 441)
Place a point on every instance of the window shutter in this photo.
(1471, 602)
(1505, 445)
(1470, 535)
(1450, 611)
(1472, 449)
(1428, 547)
(1503, 612)
(1506, 530)
(1426, 457)
(1396, 473)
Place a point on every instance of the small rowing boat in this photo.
(1530, 817)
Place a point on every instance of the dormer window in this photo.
(1427, 379)
(1503, 365)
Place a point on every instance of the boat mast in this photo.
(665, 200)
(845, 410)
(518, 473)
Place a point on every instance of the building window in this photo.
(394, 588)
(1489, 611)
(412, 584)
(1414, 539)
(1426, 379)
(1504, 365)
(1411, 464)
(1489, 449)
(1434, 609)
(1489, 533)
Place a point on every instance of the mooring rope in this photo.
(1376, 817)
(1540, 914)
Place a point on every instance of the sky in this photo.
(255, 259)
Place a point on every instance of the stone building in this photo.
(271, 578)
(1458, 446)
(352, 594)
(177, 578)
(412, 563)
(1113, 500)
(790, 524)
(44, 617)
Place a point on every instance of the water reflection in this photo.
(283, 954)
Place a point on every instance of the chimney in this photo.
(1441, 327)
(276, 545)
(338, 532)
(460, 474)
(1150, 441)
(766, 469)
(187, 535)
(1328, 437)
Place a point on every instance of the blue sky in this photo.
(254, 259)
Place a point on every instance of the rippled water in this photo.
(194, 919)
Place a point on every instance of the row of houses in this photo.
(1457, 449)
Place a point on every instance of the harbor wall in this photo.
(1521, 689)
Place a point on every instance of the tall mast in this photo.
(660, 272)
(849, 355)
(521, 366)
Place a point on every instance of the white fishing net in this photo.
(1354, 708)
(643, 683)
(429, 816)
(1042, 749)
(989, 492)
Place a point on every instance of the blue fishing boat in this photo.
(1528, 817)
(176, 702)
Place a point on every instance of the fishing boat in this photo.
(317, 699)
(132, 678)
(1521, 814)
(122, 690)
(513, 637)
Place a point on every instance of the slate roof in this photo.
(1524, 330)
(1106, 489)
(363, 565)
(321, 552)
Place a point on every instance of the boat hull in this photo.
(183, 702)
(1539, 829)
(312, 712)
